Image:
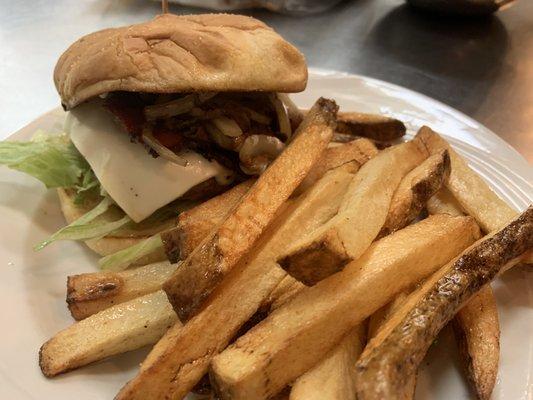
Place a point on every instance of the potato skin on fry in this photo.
(372, 126)
(415, 189)
(477, 332)
(397, 351)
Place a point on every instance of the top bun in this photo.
(172, 54)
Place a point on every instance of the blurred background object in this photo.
(461, 7)
(284, 6)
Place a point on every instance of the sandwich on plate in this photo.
(160, 116)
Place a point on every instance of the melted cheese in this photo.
(137, 182)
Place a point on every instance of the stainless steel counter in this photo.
(482, 67)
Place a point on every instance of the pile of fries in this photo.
(328, 277)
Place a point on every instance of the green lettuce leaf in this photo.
(124, 258)
(86, 227)
(52, 159)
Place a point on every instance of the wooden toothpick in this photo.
(164, 6)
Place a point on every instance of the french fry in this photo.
(476, 325)
(477, 332)
(195, 224)
(375, 323)
(121, 328)
(355, 153)
(293, 338)
(210, 262)
(183, 355)
(443, 202)
(415, 189)
(375, 127)
(348, 234)
(333, 378)
(405, 338)
(90, 293)
(468, 188)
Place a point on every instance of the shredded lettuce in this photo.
(53, 160)
(124, 258)
(86, 227)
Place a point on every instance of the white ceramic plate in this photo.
(32, 285)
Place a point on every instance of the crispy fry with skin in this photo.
(183, 355)
(477, 332)
(476, 325)
(348, 234)
(90, 293)
(210, 262)
(468, 188)
(376, 322)
(293, 338)
(356, 153)
(405, 338)
(121, 328)
(333, 378)
(443, 202)
(415, 189)
(373, 126)
(195, 224)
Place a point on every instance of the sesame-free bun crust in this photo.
(172, 54)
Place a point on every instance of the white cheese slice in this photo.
(136, 181)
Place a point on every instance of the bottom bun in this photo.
(108, 244)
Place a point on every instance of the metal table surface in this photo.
(483, 67)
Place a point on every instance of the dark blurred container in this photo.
(460, 7)
(283, 6)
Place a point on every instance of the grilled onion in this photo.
(227, 126)
(258, 151)
(283, 119)
(163, 151)
(170, 109)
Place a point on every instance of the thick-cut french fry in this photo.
(210, 262)
(356, 153)
(195, 224)
(405, 338)
(375, 323)
(333, 378)
(299, 334)
(415, 189)
(361, 215)
(88, 294)
(183, 355)
(443, 202)
(476, 325)
(121, 328)
(470, 190)
(477, 332)
(376, 127)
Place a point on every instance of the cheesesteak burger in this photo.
(160, 116)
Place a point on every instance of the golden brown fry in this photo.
(376, 322)
(405, 338)
(443, 202)
(415, 189)
(210, 262)
(373, 126)
(470, 190)
(121, 328)
(477, 332)
(183, 355)
(361, 215)
(355, 153)
(333, 378)
(195, 224)
(299, 334)
(88, 294)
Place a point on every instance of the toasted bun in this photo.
(172, 54)
(108, 244)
